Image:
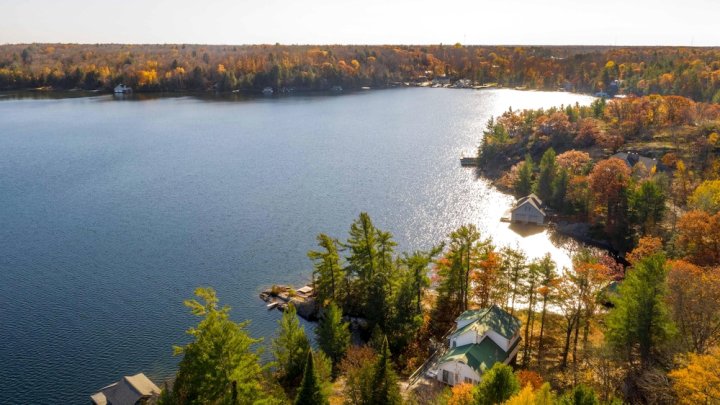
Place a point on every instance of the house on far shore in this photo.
(132, 390)
(528, 210)
(122, 89)
(481, 338)
(632, 159)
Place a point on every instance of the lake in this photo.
(114, 210)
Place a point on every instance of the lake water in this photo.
(113, 211)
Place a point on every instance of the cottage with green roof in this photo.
(481, 338)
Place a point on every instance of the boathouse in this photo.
(131, 390)
(481, 338)
(122, 89)
(528, 210)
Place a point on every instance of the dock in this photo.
(303, 299)
(469, 161)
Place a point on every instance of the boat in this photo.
(268, 91)
(272, 305)
(122, 89)
(336, 89)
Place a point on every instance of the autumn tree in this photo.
(706, 197)
(698, 381)
(575, 162)
(698, 237)
(694, 297)
(461, 394)
(608, 181)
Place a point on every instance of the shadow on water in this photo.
(526, 230)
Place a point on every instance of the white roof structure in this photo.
(127, 391)
(531, 199)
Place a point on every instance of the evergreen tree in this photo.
(640, 322)
(580, 395)
(329, 275)
(333, 335)
(290, 348)
(523, 184)
(548, 280)
(647, 206)
(497, 386)
(218, 365)
(531, 283)
(546, 176)
(513, 265)
(311, 390)
(560, 187)
(385, 389)
(406, 320)
(465, 248)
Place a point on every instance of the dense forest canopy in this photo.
(689, 72)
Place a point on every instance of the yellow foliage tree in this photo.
(699, 381)
(462, 394)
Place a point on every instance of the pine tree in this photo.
(523, 184)
(385, 389)
(580, 395)
(497, 386)
(218, 365)
(560, 187)
(329, 275)
(546, 176)
(333, 335)
(311, 390)
(640, 322)
(548, 292)
(531, 281)
(290, 348)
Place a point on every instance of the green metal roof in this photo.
(492, 318)
(479, 356)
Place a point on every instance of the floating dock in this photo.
(469, 161)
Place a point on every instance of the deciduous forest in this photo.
(688, 72)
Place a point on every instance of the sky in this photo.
(470, 22)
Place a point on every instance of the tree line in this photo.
(688, 72)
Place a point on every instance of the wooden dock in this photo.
(469, 161)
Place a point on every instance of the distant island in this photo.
(689, 72)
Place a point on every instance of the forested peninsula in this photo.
(689, 72)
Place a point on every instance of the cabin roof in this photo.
(128, 391)
(632, 158)
(492, 318)
(478, 356)
(531, 199)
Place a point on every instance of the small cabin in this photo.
(528, 210)
(122, 89)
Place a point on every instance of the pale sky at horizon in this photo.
(482, 22)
